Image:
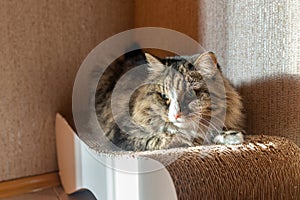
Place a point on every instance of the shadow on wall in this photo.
(272, 106)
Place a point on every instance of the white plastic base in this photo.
(80, 168)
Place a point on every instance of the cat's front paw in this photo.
(229, 137)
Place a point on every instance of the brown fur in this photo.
(183, 79)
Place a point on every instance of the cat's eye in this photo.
(164, 96)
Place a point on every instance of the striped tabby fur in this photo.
(176, 109)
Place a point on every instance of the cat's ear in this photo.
(154, 64)
(207, 64)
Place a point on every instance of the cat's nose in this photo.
(177, 116)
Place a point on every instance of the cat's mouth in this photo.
(181, 124)
(178, 124)
(190, 124)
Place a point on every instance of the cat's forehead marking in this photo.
(174, 93)
(174, 84)
(180, 64)
(174, 79)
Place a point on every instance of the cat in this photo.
(181, 104)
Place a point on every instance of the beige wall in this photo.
(42, 44)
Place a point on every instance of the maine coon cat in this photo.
(182, 106)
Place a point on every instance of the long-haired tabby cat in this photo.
(182, 106)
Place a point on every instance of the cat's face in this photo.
(178, 100)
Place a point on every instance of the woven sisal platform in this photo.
(264, 167)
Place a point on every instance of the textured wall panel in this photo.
(42, 45)
(258, 43)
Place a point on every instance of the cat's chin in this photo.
(179, 124)
(176, 127)
(184, 127)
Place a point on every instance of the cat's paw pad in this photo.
(229, 137)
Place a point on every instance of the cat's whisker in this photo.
(211, 122)
(195, 126)
(197, 123)
(221, 121)
(203, 119)
(204, 133)
(213, 125)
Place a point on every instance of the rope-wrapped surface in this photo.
(264, 167)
